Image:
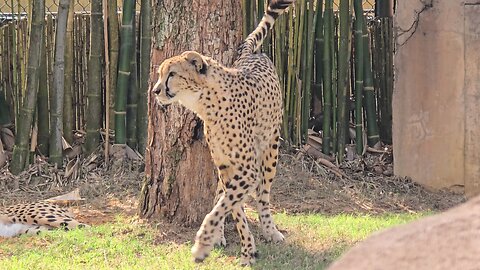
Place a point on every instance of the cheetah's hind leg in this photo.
(269, 168)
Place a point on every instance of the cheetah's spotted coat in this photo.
(32, 218)
(241, 107)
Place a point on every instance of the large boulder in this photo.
(450, 240)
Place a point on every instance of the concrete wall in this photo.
(436, 101)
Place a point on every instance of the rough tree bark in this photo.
(180, 179)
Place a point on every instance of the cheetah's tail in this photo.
(255, 39)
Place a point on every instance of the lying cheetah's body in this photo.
(32, 218)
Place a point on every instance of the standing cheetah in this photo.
(241, 107)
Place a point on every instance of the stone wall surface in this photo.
(436, 123)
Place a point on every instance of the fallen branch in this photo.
(332, 167)
(65, 199)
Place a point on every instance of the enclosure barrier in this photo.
(334, 62)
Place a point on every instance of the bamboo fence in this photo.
(334, 61)
(84, 106)
(335, 65)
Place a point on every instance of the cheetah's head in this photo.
(181, 78)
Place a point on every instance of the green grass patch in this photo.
(313, 242)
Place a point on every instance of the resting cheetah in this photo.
(241, 107)
(32, 218)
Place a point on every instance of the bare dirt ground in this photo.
(302, 185)
(368, 186)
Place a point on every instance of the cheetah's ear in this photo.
(196, 59)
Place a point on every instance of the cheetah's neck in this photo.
(215, 96)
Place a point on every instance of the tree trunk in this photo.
(180, 179)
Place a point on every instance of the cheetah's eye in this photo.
(170, 75)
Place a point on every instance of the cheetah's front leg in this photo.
(221, 241)
(209, 232)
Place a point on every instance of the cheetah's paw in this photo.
(200, 251)
(221, 242)
(248, 260)
(274, 236)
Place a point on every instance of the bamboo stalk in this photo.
(4, 112)
(43, 121)
(85, 61)
(292, 79)
(343, 77)
(318, 69)
(281, 43)
(383, 75)
(248, 16)
(20, 151)
(302, 82)
(22, 36)
(287, 118)
(327, 77)
(370, 104)
(49, 43)
(388, 36)
(310, 36)
(384, 8)
(302, 95)
(7, 60)
(50, 33)
(4, 109)
(359, 63)
(56, 124)
(68, 88)
(334, 28)
(298, 83)
(132, 94)
(252, 18)
(145, 44)
(113, 42)
(380, 77)
(261, 10)
(14, 79)
(77, 41)
(107, 81)
(126, 50)
(267, 45)
(5, 117)
(13, 45)
(94, 107)
(279, 48)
